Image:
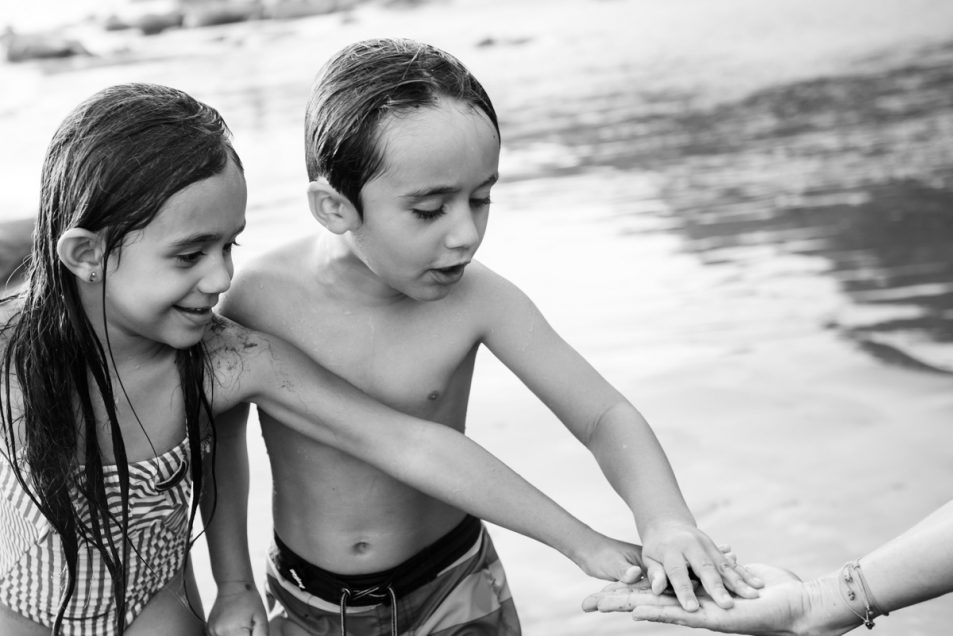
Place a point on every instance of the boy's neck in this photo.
(341, 269)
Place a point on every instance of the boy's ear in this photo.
(331, 208)
(82, 253)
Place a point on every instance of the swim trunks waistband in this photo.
(404, 578)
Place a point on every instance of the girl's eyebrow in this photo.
(195, 239)
(438, 190)
(202, 237)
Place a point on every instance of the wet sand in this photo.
(738, 211)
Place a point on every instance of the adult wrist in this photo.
(825, 610)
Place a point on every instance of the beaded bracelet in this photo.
(871, 609)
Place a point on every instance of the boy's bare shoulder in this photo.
(264, 281)
(488, 289)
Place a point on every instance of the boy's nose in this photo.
(465, 232)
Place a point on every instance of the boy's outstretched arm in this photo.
(238, 609)
(433, 458)
(621, 441)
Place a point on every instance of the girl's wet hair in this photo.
(362, 84)
(111, 165)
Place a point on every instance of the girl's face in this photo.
(162, 284)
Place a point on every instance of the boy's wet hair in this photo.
(362, 84)
(111, 165)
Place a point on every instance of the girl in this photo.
(114, 365)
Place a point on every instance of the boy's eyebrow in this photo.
(429, 192)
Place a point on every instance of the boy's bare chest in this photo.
(420, 362)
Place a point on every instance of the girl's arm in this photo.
(914, 567)
(433, 458)
(238, 607)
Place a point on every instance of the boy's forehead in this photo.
(437, 141)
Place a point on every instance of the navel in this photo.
(361, 547)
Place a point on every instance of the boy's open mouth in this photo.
(452, 270)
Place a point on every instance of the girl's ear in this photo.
(82, 253)
(332, 209)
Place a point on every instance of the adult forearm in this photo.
(912, 568)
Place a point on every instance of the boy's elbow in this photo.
(603, 425)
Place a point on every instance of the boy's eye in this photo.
(229, 246)
(428, 215)
(480, 203)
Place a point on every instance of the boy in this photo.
(402, 149)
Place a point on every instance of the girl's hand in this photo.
(673, 550)
(238, 611)
(611, 560)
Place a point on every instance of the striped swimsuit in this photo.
(32, 567)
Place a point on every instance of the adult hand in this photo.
(775, 612)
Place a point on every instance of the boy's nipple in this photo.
(433, 395)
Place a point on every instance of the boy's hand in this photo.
(672, 551)
(238, 610)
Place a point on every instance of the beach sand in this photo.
(791, 441)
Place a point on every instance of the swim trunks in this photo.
(32, 567)
(454, 586)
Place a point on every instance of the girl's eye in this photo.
(191, 258)
(229, 246)
(480, 203)
(428, 215)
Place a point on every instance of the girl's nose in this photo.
(218, 278)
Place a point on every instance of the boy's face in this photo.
(425, 213)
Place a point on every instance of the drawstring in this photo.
(393, 610)
(373, 592)
(345, 595)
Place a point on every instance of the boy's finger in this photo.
(748, 576)
(739, 580)
(714, 575)
(681, 584)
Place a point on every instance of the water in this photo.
(739, 211)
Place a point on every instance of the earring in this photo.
(92, 277)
